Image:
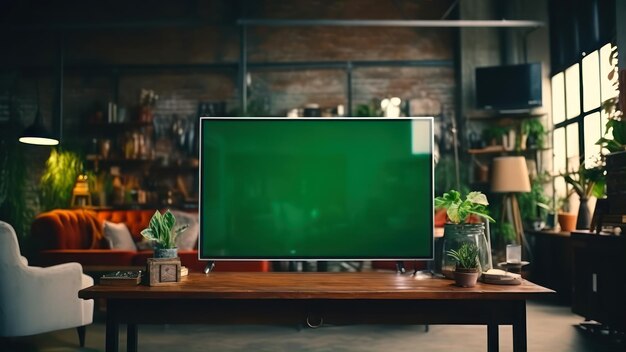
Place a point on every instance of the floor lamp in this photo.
(510, 176)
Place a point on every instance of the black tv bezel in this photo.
(525, 106)
(324, 258)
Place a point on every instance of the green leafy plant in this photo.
(458, 210)
(161, 230)
(533, 127)
(614, 139)
(466, 256)
(534, 204)
(614, 109)
(58, 179)
(494, 134)
(586, 182)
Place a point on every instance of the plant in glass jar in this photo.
(462, 227)
(467, 265)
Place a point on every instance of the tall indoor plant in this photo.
(459, 230)
(585, 182)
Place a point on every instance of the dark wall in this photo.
(109, 36)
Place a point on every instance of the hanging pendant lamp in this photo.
(37, 133)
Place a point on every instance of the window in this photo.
(577, 96)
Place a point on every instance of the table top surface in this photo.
(287, 285)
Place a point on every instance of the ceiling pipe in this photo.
(395, 23)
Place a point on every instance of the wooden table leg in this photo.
(493, 338)
(519, 328)
(131, 338)
(112, 330)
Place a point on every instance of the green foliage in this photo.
(535, 128)
(13, 177)
(58, 179)
(506, 232)
(369, 110)
(459, 210)
(466, 256)
(534, 204)
(160, 230)
(586, 182)
(494, 132)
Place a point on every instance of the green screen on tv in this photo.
(327, 189)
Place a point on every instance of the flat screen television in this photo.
(316, 189)
(511, 87)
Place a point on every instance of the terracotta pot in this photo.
(466, 277)
(567, 221)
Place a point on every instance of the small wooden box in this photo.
(163, 271)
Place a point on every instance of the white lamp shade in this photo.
(510, 174)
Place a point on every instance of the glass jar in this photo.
(454, 236)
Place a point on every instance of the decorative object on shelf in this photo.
(164, 271)
(585, 182)
(510, 176)
(467, 268)
(161, 231)
(508, 140)
(458, 231)
(81, 196)
(147, 101)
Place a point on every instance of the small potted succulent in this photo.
(467, 265)
(161, 231)
(463, 227)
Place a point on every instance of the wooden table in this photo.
(315, 299)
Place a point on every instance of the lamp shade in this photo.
(37, 133)
(510, 174)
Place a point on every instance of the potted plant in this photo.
(586, 183)
(463, 227)
(161, 231)
(467, 265)
(535, 132)
(534, 204)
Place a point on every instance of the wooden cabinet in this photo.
(599, 264)
(551, 262)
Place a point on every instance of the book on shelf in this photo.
(121, 278)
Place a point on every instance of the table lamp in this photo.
(510, 176)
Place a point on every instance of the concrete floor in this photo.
(550, 328)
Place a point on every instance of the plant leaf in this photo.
(477, 198)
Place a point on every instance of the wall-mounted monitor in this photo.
(511, 87)
(324, 189)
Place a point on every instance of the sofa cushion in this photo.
(135, 220)
(188, 239)
(118, 236)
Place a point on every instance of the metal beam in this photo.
(393, 23)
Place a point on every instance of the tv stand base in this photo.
(209, 267)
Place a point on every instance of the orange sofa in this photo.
(77, 235)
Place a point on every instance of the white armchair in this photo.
(35, 300)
